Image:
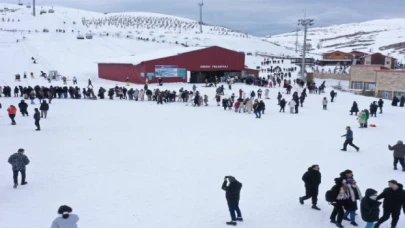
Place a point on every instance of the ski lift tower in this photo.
(201, 4)
(33, 8)
(305, 23)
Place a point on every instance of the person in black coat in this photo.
(232, 197)
(373, 109)
(332, 95)
(354, 108)
(37, 118)
(394, 199)
(402, 101)
(23, 108)
(282, 104)
(339, 201)
(380, 105)
(312, 180)
(44, 109)
(395, 101)
(262, 106)
(370, 208)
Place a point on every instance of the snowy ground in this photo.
(136, 164)
(127, 164)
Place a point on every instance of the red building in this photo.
(177, 65)
(379, 59)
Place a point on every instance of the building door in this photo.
(386, 95)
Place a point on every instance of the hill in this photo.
(385, 36)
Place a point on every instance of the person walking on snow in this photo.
(339, 198)
(12, 111)
(399, 154)
(332, 95)
(380, 105)
(75, 81)
(394, 199)
(349, 140)
(37, 118)
(18, 162)
(325, 103)
(369, 208)
(361, 118)
(44, 109)
(232, 196)
(351, 205)
(354, 108)
(67, 219)
(266, 94)
(282, 104)
(292, 105)
(312, 180)
(23, 108)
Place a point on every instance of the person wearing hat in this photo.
(354, 194)
(399, 154)
(349, 140)
(18, 162)
(67, 219)
(312, 180)
(232, 196)
(394, 199)
(339, 197)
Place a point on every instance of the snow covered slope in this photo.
(385, 36)
(115, 35)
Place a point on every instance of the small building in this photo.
(357, 55)
(336, 58)
(177, 65)
(379, 59)
(383, 81)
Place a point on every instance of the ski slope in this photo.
(127, 164)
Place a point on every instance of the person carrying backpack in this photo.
(338, 197)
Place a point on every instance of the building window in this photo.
(345, 57)
(367, 62)
(328, 57)
(388, 63)
(386, 94)
(399, 94)
(337, 54)
(369, 86)
(357, 85)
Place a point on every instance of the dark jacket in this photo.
(393, 199)
(232, 190)
(369, 208)
(349, 134)
(22, 105)
(354, 108)
(37, 116)
(44, 106)
(399, 150)
(18, 161)
(312, 178)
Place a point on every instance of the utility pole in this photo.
(201, 4)
(296, 40)
(33, 8)
(306, 23)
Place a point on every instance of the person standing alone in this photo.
(349, 140)
(312, 180)
(399, 154)
(37, 117)
(232, 197)
(18, 162)
(12, 110)
(44, 109)
(67, 218)
(325, 103)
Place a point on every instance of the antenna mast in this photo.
(201, 4)
(33, 8)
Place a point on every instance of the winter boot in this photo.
(15, 185)
(343, 149)
(358, 149)
(395, 168)
(231, 223)
(346, 218)
(240, 219)
(316, 208)
(339, 225)
(24, 183)
(301, 201)
(333, 221)
(354, 224)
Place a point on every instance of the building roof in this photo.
(330, 52)
(378, 53)
(152, 55)
(335, 60)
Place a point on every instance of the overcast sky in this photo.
(258, 17)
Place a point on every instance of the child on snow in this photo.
(325, 103)
(237, 104)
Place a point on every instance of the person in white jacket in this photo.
(266, 94)
(67, 219)
(141, 95)
(292, 106)
(325, 103)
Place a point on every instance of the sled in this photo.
(372, 125)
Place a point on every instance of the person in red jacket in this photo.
(12, 111)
